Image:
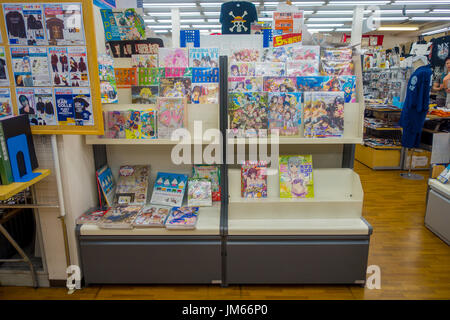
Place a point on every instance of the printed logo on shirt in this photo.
(442, 51)
(413, 83)
(238, 22)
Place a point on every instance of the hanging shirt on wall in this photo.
(415, 107)
(440, 51)
(236, 17)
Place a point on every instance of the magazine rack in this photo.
(273, 240)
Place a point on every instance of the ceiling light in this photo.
(357, 3)
(308, 4)
(159, 21)
(343, 29)
(319, 30)
(264, 19)
(163, 5)
(211, 4)
(208, 26)
(429, 18)
(420, 3)
(398, 28)
(161, 31)
(213, 20)
(429, 33)
(334, 12)
(191, 20)
(160, 27)
(325, 25)
(212, 13)
(147, 19)
(330, 19)
(440, 11)
(390, 18)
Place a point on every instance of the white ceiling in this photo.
(320, 15)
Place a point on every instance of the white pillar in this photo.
(175, 28)
(357, 27)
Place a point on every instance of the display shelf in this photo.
(443, 188)
(7, 191)
(382, 129)
(208, 224)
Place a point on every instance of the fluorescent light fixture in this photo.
(216, 31)
(314, 25)
(308, 4)
(398, 28)
(440, 11)
(320, 30)
(390, 18)
(429, 33)
(357, 3)
(265, 19)
(421, 3)
(161, 31)
(207, 26)
(213, 20)
(212, 13)
(398, 11)
(147, 19)
(163, 5)
(329, 19)
(160, 27)
(211, 4)
(343, 29)
(159, 21)
(169, 14)
(334, 12)
(431, 19)
(191, 20)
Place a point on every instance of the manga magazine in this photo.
(205, 75)
(205, 93)
(175, 88)
(115, 124)
(169, 189)
(120, 217)
(123, 24)
(211, 173)
(315, 83)
(182, 218)
(152, 216)
(132, 184)
(254, 179)
(150, 76)
(173, 57)
(148, 124)
(199, 192)
(245, 84)
(270, 69)
(285, 113)
(133, 125)
(337, 68)
(108, 88)
(280, 84)
(144, 94)
(245, 55)
(144, 60)
(296, 176)
(204, 57)
(304, 53)
(248, 114)
(337, 54)
(177, 72)
(302, 68)
(278, 54)
(242, 69)
(171, 116)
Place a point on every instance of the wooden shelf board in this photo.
(7, 191)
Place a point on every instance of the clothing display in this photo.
(236, 17)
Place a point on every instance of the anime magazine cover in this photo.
(115, 124)
(302, 68)
(337, 54)
(148, 124)
(44, 107)
(285, 113)
(182, 218)
(169, 189)
(64, 24)
(199, 192)
(270, 69)
(25, 24)
(205, 93)
(177, 72)
(324, 114)
(108, 87)
(280, 84)
(296, 176)
(175, 88)
(311, 53)
(133, 125)
(144, 94)
(132, 184)
(119, 217)
(254, 179)
(245, 84)
(205, 75)
(82, 105)
(123, 24)
(150, 76)
(245, 55)
(144, 61)
(4, 78)
(173, 57)
(278, 54)
(204, 57)
(171, 116)
(152, 216)
(211, 173)
(25, 101)
(312, 83)
(346, 84)
(6, 107)
(337, 68)
(248, 114)
(242, 69)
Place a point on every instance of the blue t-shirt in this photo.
(236, 17)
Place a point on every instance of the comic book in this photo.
(315, 83)
(203, 75)
(132, 184)
(25, 24)
(285, 113)
(44, 108)
(212, 173)
(337, 68)
(254, 179)
(148, 124)
(248, 114)
(173, 57)
(199, 192)
(150, 76)
(133, 125)
(280, 84)
(122, 24)
(169, 189)
(242, 69)
(245, 84)
(205, 93)
(245, 55)
(144, 61)
(326, 114)
(170, 72)
(92, 216)
(204, 57)
(120, 217)
(277, 54)
(337, 54)
(64, 24)
(175, 88)
(152, 216)
(6, 107)
(296, 176)
(144, 94)
(116, 122)
(182, 218)
(301, 68)
(270, 69)
(311, 53)
(171, 116)
(4, 77)
(107, 184)
(108, 87)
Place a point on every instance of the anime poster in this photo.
(122, 24)
(254, 179)
(316, 83)
(205, 93)
(64, 106)
(6, 107)
(59, 60)
(133, 125)
(310, 53)
(324, 116)
(116, 123)
(4, 78)
(44, 107)
(301, 68)
(173, 57)
(21, 67)
(64, 24)
(169, 189)
(78, 67)
(296, 176)
(144, 94)
(278, 54)
(82, 105)
(34, 17)
(245, 84)
(248, 114)
(337, 68)
(337, 54)
(177, 72)
(205, 75)
(280, 84)
(245, 55)
(204, 57)
(171, 116)
(348, 85)
(144, 60)
(150, 76)
(25, 101)
(148, 124)
(175, 88)
(270, 69)
(242, 69)
(108, 88)
(126, 48)
(285, 113)
(24, 24)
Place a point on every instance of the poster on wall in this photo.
(6, 108)
(30, 66)
(74, 106)
(25, 101)
(64, 24)
(64, 106)
(123, 24)
(69, 66)
(25, 24)
(4, 80)
(44, 108)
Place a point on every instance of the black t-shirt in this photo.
(2, 69)
(15, 24)
(236, 17)
(440, 51)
